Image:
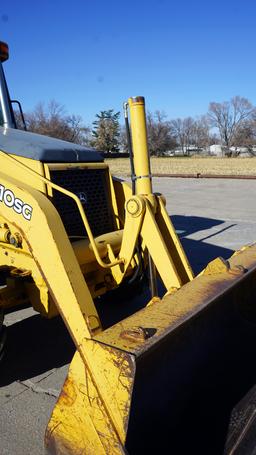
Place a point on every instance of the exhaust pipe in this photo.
(8, 119)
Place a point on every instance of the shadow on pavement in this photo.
(35, 345)
(199, 252)
(186, 225)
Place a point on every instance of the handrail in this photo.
(79, 205)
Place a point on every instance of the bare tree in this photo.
(52, 121)
(183, 131)
(160, 137)
(229, 117)
(200, 132)
(123, 143)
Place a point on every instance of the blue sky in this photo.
(93, 55)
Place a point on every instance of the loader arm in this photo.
(40, 233)
(158, 238)
(44, 241)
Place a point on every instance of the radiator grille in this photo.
(91, 186)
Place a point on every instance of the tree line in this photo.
(230, 123)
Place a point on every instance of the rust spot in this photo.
(137, 99)
(154, 300)
(238, 270)
(68, 394)
(135, 334)
(218, 265)
(20, 272)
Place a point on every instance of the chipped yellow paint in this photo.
(91, 415)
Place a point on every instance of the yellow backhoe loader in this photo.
(168, 378)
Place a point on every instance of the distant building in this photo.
(216, 150)
(244, 152)
(187, 150)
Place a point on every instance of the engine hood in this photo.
(44, 148)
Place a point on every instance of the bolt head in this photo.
(132, 206)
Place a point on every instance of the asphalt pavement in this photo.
(212, 217)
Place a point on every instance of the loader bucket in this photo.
(165, 380)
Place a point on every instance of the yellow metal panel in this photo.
(123, 191)
(12, 167)
(48, 177)
(80, 422)
(173, 243)
(158, 250)
(84, 252)
(113, 373)
(114, 202)
(135, 209)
